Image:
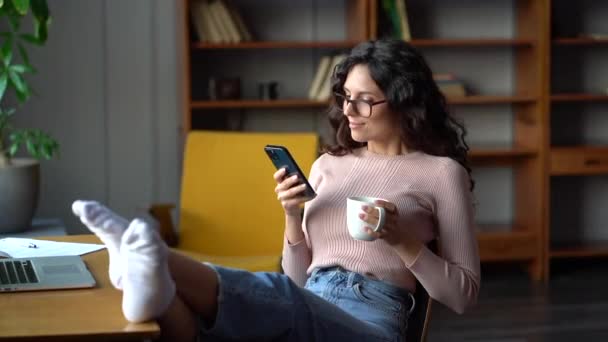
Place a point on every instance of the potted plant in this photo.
(19, 177)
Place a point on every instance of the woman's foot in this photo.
(148, 288)
(109, 227)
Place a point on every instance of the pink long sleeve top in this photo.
(433, 200)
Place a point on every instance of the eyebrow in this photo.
(362, 93)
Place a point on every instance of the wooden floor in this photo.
(573, 306)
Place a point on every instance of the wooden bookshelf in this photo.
(580, 41)
(472, 42)
(490, 99)
(571, 158)
(509, 245)
(579, 97)
(578, 160)
(497, 152)
(247, 104)
(276, 45)
(525, 239)
(579, 250)
(304, 103)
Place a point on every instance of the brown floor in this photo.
(573, 306)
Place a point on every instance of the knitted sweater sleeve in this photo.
(454, 277)
(297, 256)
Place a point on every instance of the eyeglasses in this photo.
(361, 106)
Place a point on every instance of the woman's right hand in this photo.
(289, 192)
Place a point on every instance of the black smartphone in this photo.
(281, 158)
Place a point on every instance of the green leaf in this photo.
(1, 3)
(40, 9)
(3, 83)
(30, 38)
(7, 51)
(41, 29)
(14, 18)
(42, 19)
(24, 56)
(17, 81)
(12, 150)
(31, 147)
(15, 138)
(21, 6)
(20, 68)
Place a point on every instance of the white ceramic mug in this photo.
(356, 226)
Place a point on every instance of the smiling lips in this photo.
(355, 125)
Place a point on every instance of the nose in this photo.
(349, 110)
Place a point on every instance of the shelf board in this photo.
(286, 103)
(291, 103)
(580, 250)
(483, 152)
(351, 43)
(506, 243)
(580, 41)
(490, 99)
(276, 45)
(579, 97)
(471, 42)
(581, 149)
(578, 160)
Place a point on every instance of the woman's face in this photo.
(382, 125)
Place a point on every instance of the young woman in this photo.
(394, 140)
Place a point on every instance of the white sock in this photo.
(109, 227)
(148, 288)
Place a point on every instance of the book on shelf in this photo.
(594, 35)
(393, 20)
(220, 11)
(199, 22)
(320, 87)
(450, 85)
(218, 21)
(403, 21)
(320, 74)
(235, 15)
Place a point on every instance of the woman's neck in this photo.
(389, 149)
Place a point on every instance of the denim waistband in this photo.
(353, 278)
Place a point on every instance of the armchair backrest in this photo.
(228, 206)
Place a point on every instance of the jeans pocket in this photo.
(377, 299)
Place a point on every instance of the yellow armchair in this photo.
(228, 213)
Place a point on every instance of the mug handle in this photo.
(381, 219)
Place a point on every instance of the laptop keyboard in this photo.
(17, 272)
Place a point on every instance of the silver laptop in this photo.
(44, 273)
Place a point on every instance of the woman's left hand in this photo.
(390, 232)
(398, 237)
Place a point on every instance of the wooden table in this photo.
(68, 315)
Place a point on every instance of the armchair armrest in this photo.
(162, 214)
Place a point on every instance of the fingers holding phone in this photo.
(290, 191)
(292, 188)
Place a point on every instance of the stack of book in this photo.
(393, 21)
(218, 21)
(320, 87)
(450, 85)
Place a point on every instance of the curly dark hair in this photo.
(406, 80)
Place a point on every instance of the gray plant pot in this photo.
(19, 185)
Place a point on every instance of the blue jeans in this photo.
(335, 305)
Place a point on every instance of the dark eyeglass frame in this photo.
(354, 102)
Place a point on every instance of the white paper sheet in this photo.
(24, 248)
